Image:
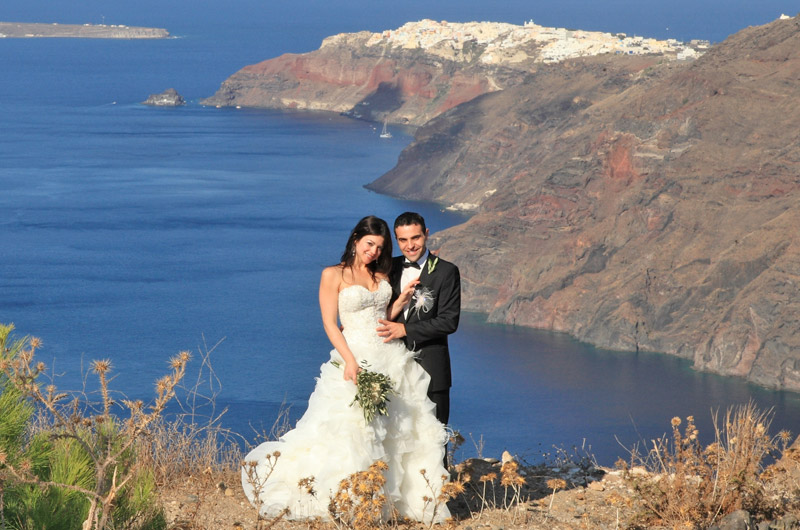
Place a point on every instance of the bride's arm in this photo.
(329, 307)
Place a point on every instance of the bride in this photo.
(332, 440)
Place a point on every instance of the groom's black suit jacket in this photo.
(426, 332)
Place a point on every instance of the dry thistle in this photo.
(307, 484)
(359, 501)
(509, 473)
(180, 360)
(488, 477)
(511, 479)
(163, 385)
(451, 490)
(454, 442)
(101, 366)
(436, 500)
(555, 484)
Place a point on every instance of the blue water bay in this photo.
(131, 233)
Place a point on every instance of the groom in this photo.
(433, 312)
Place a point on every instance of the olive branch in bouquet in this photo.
(372, 391)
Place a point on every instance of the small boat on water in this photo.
(385, 132)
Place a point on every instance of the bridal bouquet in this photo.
(372, 391)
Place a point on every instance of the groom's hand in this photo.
(391, 330)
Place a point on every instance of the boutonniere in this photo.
(432, 264)
(423, 300)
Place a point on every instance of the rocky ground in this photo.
(571, 493)
(593, 498)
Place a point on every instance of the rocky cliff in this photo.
(168, 98)
(634, 203)
(416, 72)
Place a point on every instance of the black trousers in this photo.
(441, 399)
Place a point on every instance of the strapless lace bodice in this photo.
(360, 309)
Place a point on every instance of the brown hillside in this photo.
(633, 204)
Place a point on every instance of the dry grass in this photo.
(192, 442)
(676, 483)
(691, 486)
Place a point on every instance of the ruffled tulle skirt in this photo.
(333, 441)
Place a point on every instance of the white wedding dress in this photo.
(332, 440)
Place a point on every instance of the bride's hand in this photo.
(351, 372)
(407, 293)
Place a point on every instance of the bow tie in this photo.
(407, 264)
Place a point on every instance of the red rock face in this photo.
(462, 89)
(402, 86)
(619, 159)
(634, 205)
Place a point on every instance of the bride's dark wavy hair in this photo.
(370, 226)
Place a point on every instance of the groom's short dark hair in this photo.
(410, 218)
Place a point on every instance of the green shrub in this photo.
(81, 469)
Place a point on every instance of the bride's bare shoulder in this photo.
(333, 270)
(333, 275)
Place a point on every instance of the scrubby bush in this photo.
(683, 484)
(79, 467)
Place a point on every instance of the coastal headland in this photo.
(85, 31)
(639, 198)
(413, 73)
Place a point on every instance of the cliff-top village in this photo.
(508, 43)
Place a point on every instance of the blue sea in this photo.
(131, 233)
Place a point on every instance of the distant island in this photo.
(84, 31)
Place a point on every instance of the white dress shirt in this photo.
(411, 274)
